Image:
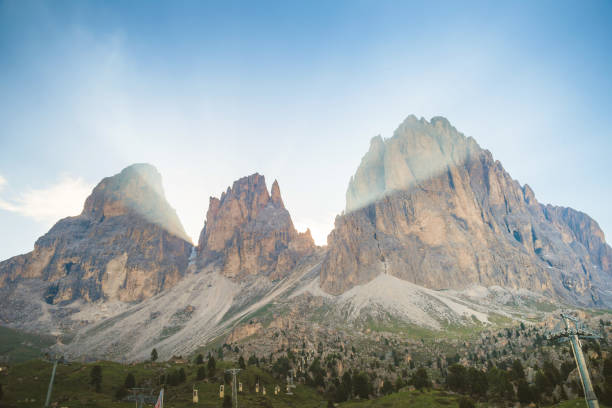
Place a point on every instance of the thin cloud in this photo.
(50, 203)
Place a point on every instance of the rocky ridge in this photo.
(431, 207)
(435, 234)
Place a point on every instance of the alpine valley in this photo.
(437, 241)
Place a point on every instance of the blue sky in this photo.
(212, 91)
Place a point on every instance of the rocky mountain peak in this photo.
(249, 232)
(136, 190)
(250, 192)
(127, 244)
(275, 195)
(418, 151)
(441, 122)
(428, 205)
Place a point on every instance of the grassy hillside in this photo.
(413, 399)
(18, 346)
(434, 398)
(25, 385)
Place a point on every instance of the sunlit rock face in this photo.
(419, 151)
(127, 244)
(431, 207)
(248, 231)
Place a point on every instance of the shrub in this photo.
(465, 402)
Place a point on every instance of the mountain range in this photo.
(435, 233)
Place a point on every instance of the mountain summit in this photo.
(418, 151)
(430, 206)
(248, 232)
(136, 190)
(126, 244)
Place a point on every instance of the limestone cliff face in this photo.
(430, 206)
(127, 244)
(249, 232)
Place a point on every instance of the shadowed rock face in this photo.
(431, 207)
(127, 244)
(249, 232)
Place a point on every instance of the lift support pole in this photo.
(572, 332)
(589, 394)
(48, 400)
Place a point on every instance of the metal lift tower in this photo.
(56, 359)
(234, 372)
(142, 396)
(573, 331)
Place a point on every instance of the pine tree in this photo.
(500, 387)
(199, 359)
(347, 383)
(399, 383)
(154, 355)
(130, 381)
(282, 366)
(523, 392)
(542, 383)
(552, 374)
(341, 393)
(201, 373)
(517, 373)
(172, 378)
(212, 366)
(361, 385)
(241, 363)
(96, 377)
(606, 398)
(457, 378)
(420, 379)
(387, 387)
(477, 382)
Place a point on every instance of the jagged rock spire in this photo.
(275, 195)
(250, 232)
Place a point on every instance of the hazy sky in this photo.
(212, 91)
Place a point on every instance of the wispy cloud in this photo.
(48, 204)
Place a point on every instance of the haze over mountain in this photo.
(435, 233)
(126, 244)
